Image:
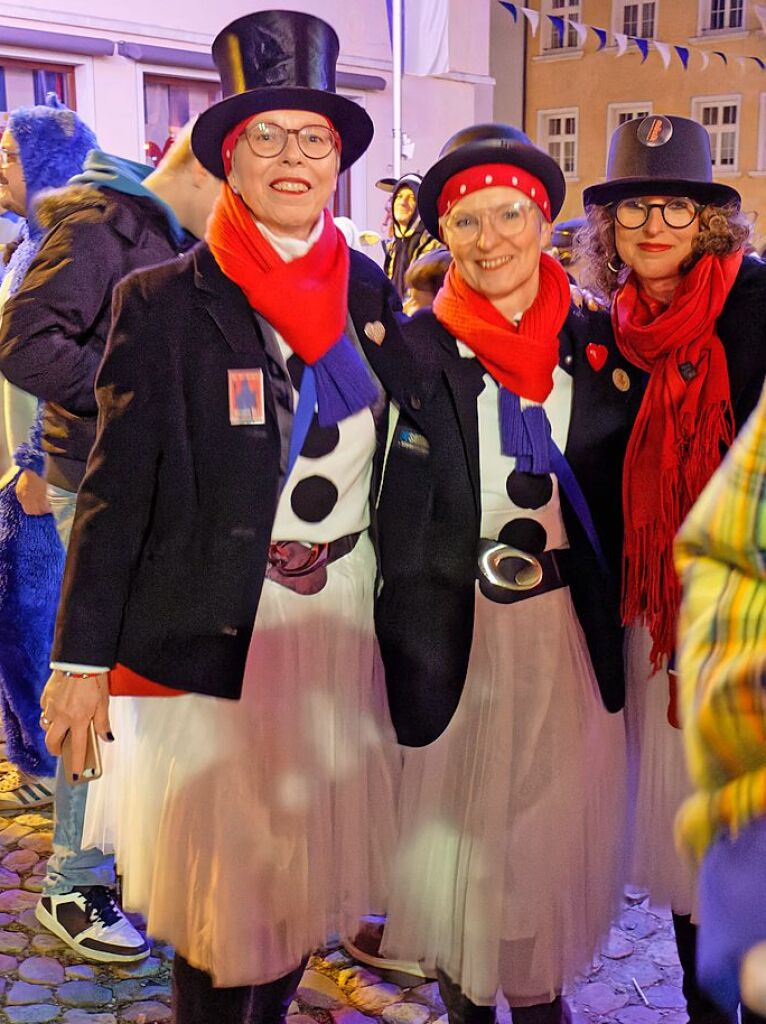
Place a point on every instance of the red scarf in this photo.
(521, 358)
(680, 433)
(305, 300)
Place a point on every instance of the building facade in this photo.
(575, 94)
(136, 72)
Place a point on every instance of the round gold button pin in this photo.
(621, 380)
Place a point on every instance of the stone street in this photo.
(636, 981)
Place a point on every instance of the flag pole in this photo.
(397, 39)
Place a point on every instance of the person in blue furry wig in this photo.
(41, 148)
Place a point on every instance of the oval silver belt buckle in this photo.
(526, 578)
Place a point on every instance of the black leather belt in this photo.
(507, 574)
(303, 567)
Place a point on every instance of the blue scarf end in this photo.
(343, 383)
(525, 434)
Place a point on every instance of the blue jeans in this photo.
(71, 867)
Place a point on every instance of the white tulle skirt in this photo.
(249, 831)
(659, 782)
(512, 835)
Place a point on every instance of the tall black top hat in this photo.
(278, 60)
(487, 144)
(660, 155)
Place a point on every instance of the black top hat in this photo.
(660, 155)
(278, 60)
(487, 144)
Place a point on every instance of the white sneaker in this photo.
(92, 923)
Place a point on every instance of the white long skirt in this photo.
(659, 782)
(512, 831)
(249, 831)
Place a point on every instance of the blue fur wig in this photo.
(53, 143)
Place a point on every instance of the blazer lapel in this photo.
(225, 303)
(464, 378)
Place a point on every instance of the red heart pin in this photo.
(596, 355)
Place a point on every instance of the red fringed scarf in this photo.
(305, 300)
(521, 358)
(684, 425)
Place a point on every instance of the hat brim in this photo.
(351, 121)
(489, 151)
(710, 193)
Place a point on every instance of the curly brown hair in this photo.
(723, 229)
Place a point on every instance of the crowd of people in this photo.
(462, 604)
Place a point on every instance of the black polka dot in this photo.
(524, 534)
(314, 498)
(295, 367)
(529, 490)
(320, 440)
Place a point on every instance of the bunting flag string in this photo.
(561, 25)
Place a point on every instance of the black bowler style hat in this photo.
(660, 155)
(487, 144)
(278, 60)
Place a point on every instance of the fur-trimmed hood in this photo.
(53, 143)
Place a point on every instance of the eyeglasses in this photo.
(8, 156)
(507, 220)
(634, 213)
(315, 141)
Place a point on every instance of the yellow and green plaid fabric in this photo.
(721, 556)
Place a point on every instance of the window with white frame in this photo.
(619, 113)
(637, 18)
(568, 40)
(722, 15)
(26, 83)
(720, 115)
(169, 102)
(557, 135)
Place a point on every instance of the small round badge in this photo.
(621, 380)
(655, 130)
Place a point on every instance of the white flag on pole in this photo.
(426, 37)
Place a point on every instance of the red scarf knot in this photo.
(683, 427)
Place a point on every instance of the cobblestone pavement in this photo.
(636, 981)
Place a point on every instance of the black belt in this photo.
(507, 574)
(303, 567)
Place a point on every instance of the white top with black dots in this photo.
(327, 494)
(520, 509)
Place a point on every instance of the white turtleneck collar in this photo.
(292, 248)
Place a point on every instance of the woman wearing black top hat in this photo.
(667, 245)
(500, 630)
(220, 558)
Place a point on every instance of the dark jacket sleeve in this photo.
(115, 499)
(47, 345)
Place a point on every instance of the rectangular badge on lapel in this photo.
(246, 406)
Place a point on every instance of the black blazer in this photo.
(174, 516)
(430, 508)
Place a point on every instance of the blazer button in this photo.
(415, 402)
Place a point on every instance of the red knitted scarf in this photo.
(305, 300)
(521, 358)
(683, 427)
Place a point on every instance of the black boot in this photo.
(197, 1001)
(701, 1010)
(460, 1009)
(556, 1012)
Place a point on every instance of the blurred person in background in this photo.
(409, 237)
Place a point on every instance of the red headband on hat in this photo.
(482, 176)
(231, 138)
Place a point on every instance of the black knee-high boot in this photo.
(556, 1012)
(701, 1010)
(197, 1001)
(460, 1009)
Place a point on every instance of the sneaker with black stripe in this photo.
(91, 922)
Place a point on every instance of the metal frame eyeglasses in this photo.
(266, 139)
(508, 220)
(678, 212)
(8, 157)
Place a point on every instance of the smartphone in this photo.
(92, 769)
